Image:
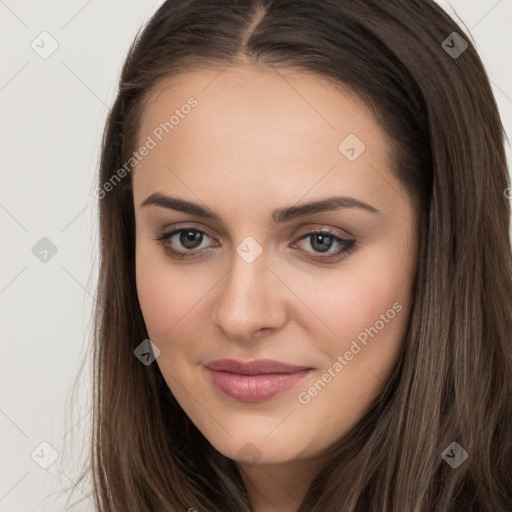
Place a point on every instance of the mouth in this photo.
(254, 381)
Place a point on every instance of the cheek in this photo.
(363, 300)
(366, 289)
(368, 310)
(174, 298)
(166, 295)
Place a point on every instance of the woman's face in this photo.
(250, 160)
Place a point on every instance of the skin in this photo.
(259, 140)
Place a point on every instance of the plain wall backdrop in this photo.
(53, 109)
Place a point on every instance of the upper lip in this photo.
(254, 367)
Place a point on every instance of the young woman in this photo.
(305, 291)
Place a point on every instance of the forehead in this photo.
(254, 126)
(277, 101)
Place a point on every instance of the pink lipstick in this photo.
(253, 381)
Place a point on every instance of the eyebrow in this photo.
(279, 216)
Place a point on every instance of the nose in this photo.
(251, 299)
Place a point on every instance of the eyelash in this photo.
(347, 245)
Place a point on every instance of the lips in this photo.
(256, 380)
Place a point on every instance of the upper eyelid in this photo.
(167, 232)
(191, 225)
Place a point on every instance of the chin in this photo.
(256, 449)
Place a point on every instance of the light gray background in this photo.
(53, 111)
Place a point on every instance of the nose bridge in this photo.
(247, 301)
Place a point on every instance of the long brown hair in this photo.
(453, 382)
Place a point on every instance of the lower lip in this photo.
(254, 388)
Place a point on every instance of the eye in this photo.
(186, 242)
(322, 241)
(188, 238)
